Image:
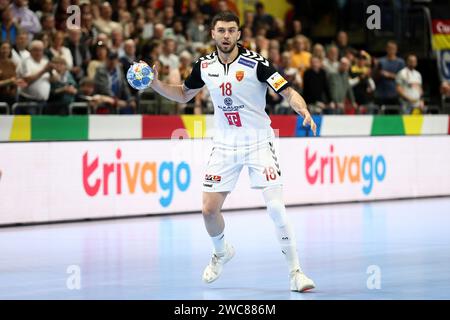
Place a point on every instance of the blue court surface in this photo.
(379, 250)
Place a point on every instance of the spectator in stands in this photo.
(46, 8)
(129, 55)
(58, 49)
(117, 42)
(100, 57)
(197, 32)
(9, 28)
(409, 87)
(35, 71)
(294, 28)
(28, 20)
(315, 87)
(80, 54)
(261, 18)
(8, 79)
(342, 43)
(247, 39)
(61, 14)
(340, 88)
(168, 16)
(159, 32)
(386, 71)
(185, 68)
(168, 56)
(179, 36)
(88, 30)
(148, 27)
(63, 88)
(94, 101)
(110, 81)
(262, 46)
(20, 49)
(48, 24)
(319, 52)
(104, 23)
(331, 62)
(300, 57)
(362, 83)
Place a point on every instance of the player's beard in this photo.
(229, 50)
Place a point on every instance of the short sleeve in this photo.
(194, 80)
(266, 72)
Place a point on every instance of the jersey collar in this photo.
(241, 50)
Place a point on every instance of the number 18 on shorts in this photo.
(225, 165)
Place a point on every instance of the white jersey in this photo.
(238, 92)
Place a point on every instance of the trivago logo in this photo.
(147, 177)
(365, 169)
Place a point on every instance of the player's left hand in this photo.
(309, 121)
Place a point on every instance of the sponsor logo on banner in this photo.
(233, 119)
(239, 75)
(338, 169)
(276, 81)
(246, 62)
(148, 177)
(212, 178)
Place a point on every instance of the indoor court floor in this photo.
(378, 250)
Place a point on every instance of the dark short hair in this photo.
(226, 16)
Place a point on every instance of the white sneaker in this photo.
(300, 282)
(215, 266)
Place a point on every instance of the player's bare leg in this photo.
(273, 197)
(215, 225)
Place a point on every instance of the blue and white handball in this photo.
(140, 75)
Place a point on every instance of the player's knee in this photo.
(210, 209)
(277, 212)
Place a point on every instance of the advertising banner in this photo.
(57, 181)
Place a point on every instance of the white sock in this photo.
(288, 248)
(285, 234)
(219, 244)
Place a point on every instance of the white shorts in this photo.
(225, 165)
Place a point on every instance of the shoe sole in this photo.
(304, 289)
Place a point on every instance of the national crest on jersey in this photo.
(238, 92)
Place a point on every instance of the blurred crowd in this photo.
(49, 62)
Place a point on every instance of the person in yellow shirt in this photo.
(300, 55)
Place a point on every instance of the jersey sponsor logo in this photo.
(212, 178)
(228, 101)
(239, 75)
(205, 65)
(276, 81)
(213, 75)
(233, 118)
(230, 108)
(246, 62)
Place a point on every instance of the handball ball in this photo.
(140, 75)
